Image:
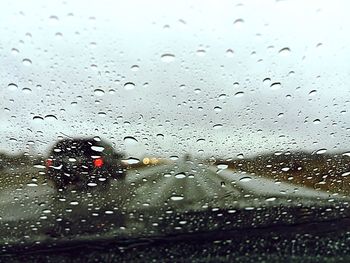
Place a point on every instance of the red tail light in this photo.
(98, 162)
(48, 163)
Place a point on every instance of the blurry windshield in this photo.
(129, 119)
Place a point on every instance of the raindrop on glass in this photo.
(229, 53)
(276, 86)
(167, 58)
(200, 52)
(245, 179)
(284, 51)
(239, 94)
(238, 23)
(12, 86)
(135, 68)
(129, 86)
(321, 151)
(27, 62)
(176, 198)
(217, 126)
(99, 92)
(130, 140)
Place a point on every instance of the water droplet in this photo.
(183, 22)
(14, 51)
(222, 166)
(238, 23)
(26, 90)
(174, 157)
(239, 94)
(109, 212)
(316, 121)
(200, 52)
(160, 136)
(99, 92)
(131, 160)
(53, 20)
(28, 35)
(130, 140)
(271, 199)
(97, 139)
(38, 119)
(229, 53)
(176, 198)
(129, 86)
(92, 184)
(180, 175)
(59, 35)
(321, 151)
(74, 203)
(266, 81)
(284, 51)
(32, 184)
(312, 92)
(235, 85)
(217, 109)
(97, 148)
(93, 44)
(276, 86)
(240, 156)
(50, 117)
(39, 166)
(135, 68)
(345, 174)
(12, 86)
(245, 179)
(27, 62)
(167, 58)
(346, 154)
(217, 126)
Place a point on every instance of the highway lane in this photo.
(152, 192)
(180, 185)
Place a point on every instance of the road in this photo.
(160, 190)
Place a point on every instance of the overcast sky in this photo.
(206, 77)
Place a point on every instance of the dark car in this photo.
(83, 164)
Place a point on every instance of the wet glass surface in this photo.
(132, 121)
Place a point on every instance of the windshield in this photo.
(139, 119)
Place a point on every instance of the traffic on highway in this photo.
(87, 192)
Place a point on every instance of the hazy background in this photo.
(202, 74)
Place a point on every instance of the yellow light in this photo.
(146, 160)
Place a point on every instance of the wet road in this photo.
(182, 185)
(149, 192)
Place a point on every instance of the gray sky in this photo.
(198, 69)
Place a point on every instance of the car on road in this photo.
(83, 163)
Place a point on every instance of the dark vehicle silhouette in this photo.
(83, 164)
